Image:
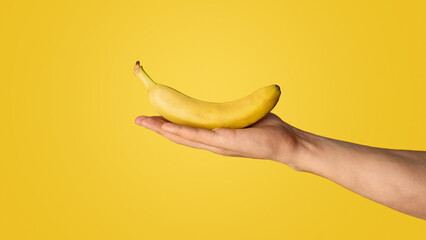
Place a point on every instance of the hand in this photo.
(269, 138)
(394, 178)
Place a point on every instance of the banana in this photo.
(184, 110)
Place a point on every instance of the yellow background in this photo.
(75, 166)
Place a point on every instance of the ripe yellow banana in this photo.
(182, 109)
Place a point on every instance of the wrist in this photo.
(307, 148)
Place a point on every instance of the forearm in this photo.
(394, 178)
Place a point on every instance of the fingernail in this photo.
(170, 127)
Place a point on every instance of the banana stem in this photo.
(140, 73)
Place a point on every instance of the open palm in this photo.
(269, 138)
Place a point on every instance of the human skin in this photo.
(394, 178)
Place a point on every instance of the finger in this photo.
(220, 139)
(179, 140)
(139, 119)
(160, 118)
(155, 124)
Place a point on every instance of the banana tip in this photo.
(137, 67)
(278, 87)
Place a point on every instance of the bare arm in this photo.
(394, 178)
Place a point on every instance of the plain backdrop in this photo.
(73, 165)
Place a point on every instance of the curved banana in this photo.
(182, 109)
